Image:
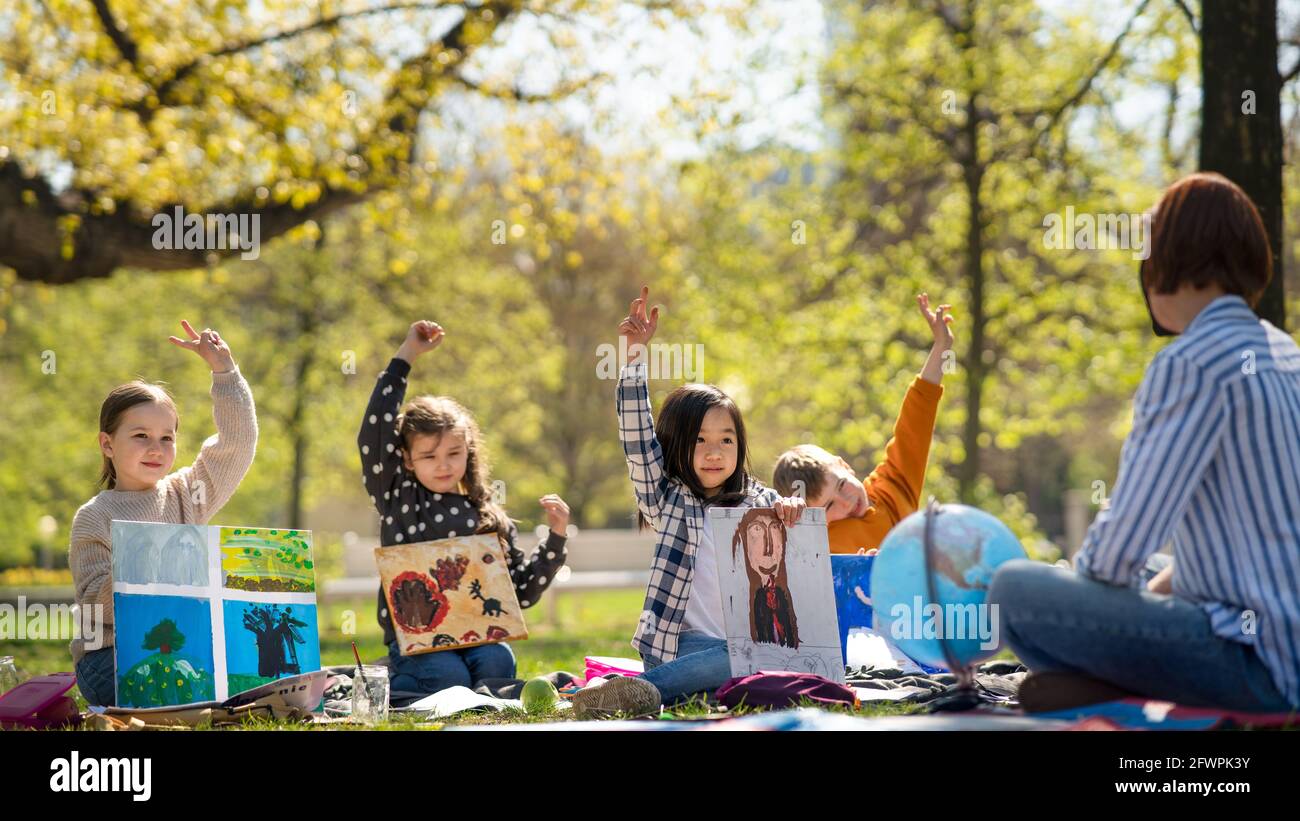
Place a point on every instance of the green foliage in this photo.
(164, 637)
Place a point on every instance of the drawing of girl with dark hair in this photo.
(762, 535)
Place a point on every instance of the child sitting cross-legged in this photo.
(427, 475)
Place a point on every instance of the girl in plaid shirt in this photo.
(694, 457)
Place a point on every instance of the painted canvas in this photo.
(266, 641)
(267, 560)
(216, 610)
(164, 650)
(450, 593)
(851, 575)
(138, 554)
(778, 602)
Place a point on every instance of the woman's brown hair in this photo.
(436, 415)
(1206, 231)
(119, 401)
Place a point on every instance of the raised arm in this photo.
(377, 441)
(895, 484)
(636, 427)
(227, 455)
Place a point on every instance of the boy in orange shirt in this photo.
(859, 513)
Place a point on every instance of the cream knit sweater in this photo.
(191, 495)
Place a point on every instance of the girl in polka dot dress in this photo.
(426, 473)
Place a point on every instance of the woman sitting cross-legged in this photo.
(1212, 464)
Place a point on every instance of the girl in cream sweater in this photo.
(138, 425)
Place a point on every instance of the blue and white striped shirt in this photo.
(1213, 464)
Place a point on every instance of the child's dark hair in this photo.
(116, 404)
(677, 428)
(436, 415)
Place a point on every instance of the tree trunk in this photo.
(1241, 117)
(973, 175)
(305, 342)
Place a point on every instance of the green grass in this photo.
(587, 623)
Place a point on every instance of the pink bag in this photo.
(40, 703)
(783, 688)
(610, 665)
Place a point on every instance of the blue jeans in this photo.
(702, 663)
(431, 672)
(96, 677)
(1149, 644)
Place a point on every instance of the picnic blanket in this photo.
(1144, 714)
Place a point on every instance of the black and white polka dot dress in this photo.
(410, 512)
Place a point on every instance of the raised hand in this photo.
(208, 345)
(639, 326)
(422, 337)
(557, 513)
(938, 320)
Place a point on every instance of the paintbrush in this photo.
(360, 667)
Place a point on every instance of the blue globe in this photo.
(969, 546)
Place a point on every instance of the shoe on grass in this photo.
(1050, 692)
(619, 694)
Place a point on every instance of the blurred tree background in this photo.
(786, 176)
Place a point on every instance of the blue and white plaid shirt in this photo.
(677, 516)
(1213, 464)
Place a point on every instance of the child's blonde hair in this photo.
(803, 468)
(119, 401)
(436, 415)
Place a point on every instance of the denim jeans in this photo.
(702, 664)
(431, 672)
(96, 679)
(1149, 644)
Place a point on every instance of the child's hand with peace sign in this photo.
(208, 345)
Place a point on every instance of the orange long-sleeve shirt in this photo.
(894, 487)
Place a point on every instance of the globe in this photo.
(969, 546)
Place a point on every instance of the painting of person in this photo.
(761, 536)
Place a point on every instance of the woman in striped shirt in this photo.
(1212, 465)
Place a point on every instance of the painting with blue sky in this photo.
(268, 640)
(163, 650)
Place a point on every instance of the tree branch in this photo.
(57, 239)
(519, 95)
(121, 40)
(1187, 12)
(181, 72)
(1086, 85)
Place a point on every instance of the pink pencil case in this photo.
(610, 665)
(39, 703)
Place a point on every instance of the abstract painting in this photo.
(778, 603)
(206, 612)
(450, 593)
(852, 580)
(266, 560)
(163, 554)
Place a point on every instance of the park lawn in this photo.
(586, 623)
